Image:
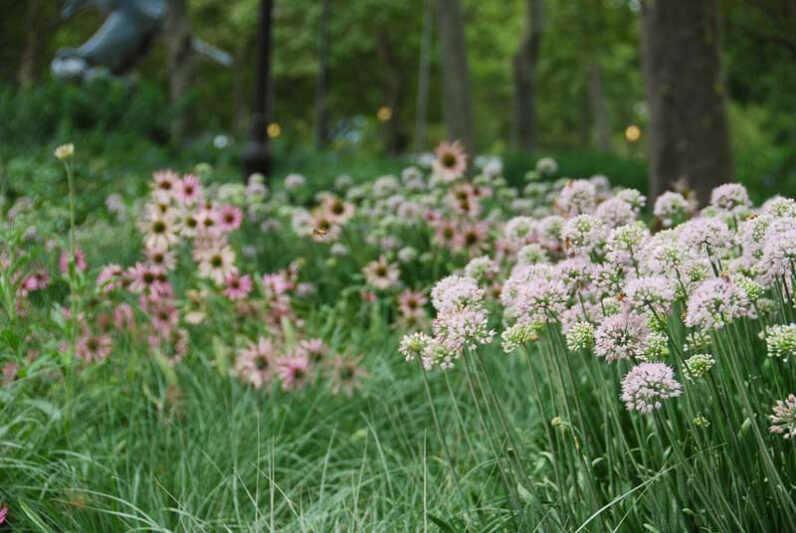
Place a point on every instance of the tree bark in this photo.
(688, 132)
(457, 107)
(525, 78)
(181, 60)
(598, 108)
(321, 90)
(30, 64)
(394, 87)
(423, 77)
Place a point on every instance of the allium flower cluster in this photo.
(731, 198)
(654, 294)
(583, 234)
(783, 417)
(580, 336)
(780, 341)
(715, 303)
(622, 336)
(577, 197)
(697, 366)
(671, 208)
(647, 384)
(456, 292)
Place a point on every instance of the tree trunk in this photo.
(321, 90)
(688, 133)
(30, 65)
(423, 76)
(598, 108)
(457, 107)
(394, 86)
(177, 35)
(525, 78)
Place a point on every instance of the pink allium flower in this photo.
(80, 261)
(520, 230)
(576, 273)
(583, 234)
(188, 190)
(650, 293)
(622, 336)
(577, 197)
(294, 182)
(707, 235)
(731, 198)
(256, 364)
(229, 217)
(93, 348)
(295, 371)
(456, 329)
(715, 303)
(238, 287)
(110, 278)
(615, 212)
(783, 419)
(647, 384)
(381, 275)
(456, 292)
(671, 208)
(779, 255)
(540, 301)
(451, 161)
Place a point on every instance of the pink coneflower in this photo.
(80, 261)
(256, 364)
(188, 190)
(110, 278)
(36, 281)
(238, 287)
(410, 302)
(229, 217)
(160, 228)
(338, 210)
(142, 277)
(347, 374)
(3, 513)
(315, 349)
(324, 227)
(463, 199)
(471, 238)
(207, 221)
(381, 274)
(295, 371)
(124, 317)
(368, 296)
(451, 161)
(216, 262)
(163, 315)
(9, 373)
(173, 345)
(277, 284)
(161, 257)
(92, 347)
(164, 184)
(445, 232)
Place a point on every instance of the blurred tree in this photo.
(525, 60)
(457, 106)
(688, 133)
(321, 110)
(177, 35)
(423, 75)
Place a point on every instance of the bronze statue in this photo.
(122, 40)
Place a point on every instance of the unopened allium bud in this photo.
(657, 346)
(518, 335)
(697, 366)
(414, 344)
(580, 336)
(700, 421)
(780, 340)
(531, 254)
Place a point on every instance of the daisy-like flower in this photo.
(715, 303)
(207, 222)
(347, 374)
(238, 287)
(141, 277)
(162, 258)
(229, 218)
(188, 190)
(410, 302)
(161, 228)
(445, 233)
(164, 185)
(316, 349)
(622, 336)
(647, 384)
(783, 417)
(37, 281)
(256, 364)
(451, 161)
(216, 262)
(92, 347)
(295, 371)
(325, 228)
(162, 314)
(381, 274)
(471, 238)
(80, 261)
(110, 278)
(338, 210)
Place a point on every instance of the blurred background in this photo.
(356, 87)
